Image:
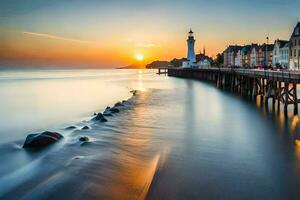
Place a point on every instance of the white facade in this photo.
(294, 61)
(204, 64)
(185, 64)
(238, 59)
(281, 54)
(254, 57)
(231, 58)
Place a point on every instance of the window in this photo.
(295, 52)
(299, 42)
(297, 31)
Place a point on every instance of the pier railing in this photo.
(291, 76)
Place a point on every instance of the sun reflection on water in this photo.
(140, 84)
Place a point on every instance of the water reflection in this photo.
(286, 123)
(184, 139)
(135, 159)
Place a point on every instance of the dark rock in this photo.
(95, 113)
(40, 140)
(114, 110)
(100, 117)
(71, 128)
(133, 92)
(84, 139)
(118, 104)
(85, 128)
(107, 114)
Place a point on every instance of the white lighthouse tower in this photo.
(191, 58)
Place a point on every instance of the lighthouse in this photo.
(191, 58)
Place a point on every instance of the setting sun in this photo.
(139, 57)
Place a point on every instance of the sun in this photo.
(139, 57)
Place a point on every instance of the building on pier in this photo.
(265, 55)
(294, 60)
(246, 55)
(254, 55)
(238, 60)
(230, 54)
(281, 54)
(285, 54)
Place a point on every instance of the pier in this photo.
(280, 86)
(162, 71)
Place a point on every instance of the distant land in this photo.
(153, 65)
(132, 66)
(158, 64)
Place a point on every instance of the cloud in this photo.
(55, 37)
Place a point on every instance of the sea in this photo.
(172, 139)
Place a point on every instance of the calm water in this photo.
(177, 139)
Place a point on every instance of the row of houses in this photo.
(283, 53)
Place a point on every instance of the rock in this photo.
(40, 140)
(118, 104)
(85, 128)
(84, 139)
(71, 128)
(107, 114)
(133, 92)
(114, 110)
(100, 117)
(95, 114)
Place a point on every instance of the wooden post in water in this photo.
(286, 97)
(295, 98)
(278, 93)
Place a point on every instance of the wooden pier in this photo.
(162, 71)
(280, 86)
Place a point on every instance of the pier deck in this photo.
(280, 86)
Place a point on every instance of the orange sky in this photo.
(53, 48)
(110, 33)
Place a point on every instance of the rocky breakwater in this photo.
(46, 138)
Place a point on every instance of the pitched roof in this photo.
(233, 48)
(246, 48)
(268, 47)
(254, 46)
(282, 43)
(201, 57)
(296, 32)
(286, 45)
